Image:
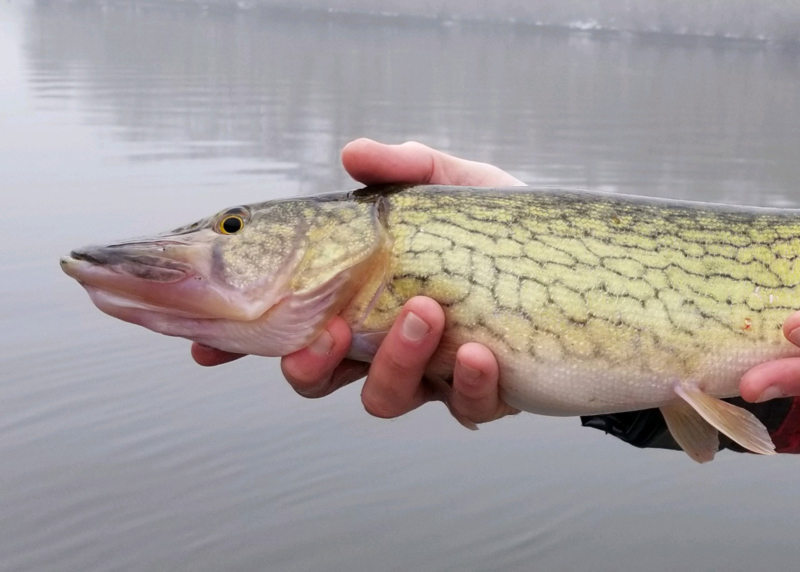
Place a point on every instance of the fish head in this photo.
(262, 278)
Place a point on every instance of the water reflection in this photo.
(639, 114)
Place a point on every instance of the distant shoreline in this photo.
(770, 21)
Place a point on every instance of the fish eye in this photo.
(232, 221)
(231, 224)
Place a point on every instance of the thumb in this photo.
(774, 379)
(373, 163)
(779, 378)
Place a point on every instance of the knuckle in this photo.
(398, 363)
(306, 385)
(475, 412)
(414, 145)
(478, 410)
(473, 393)
(379, 407)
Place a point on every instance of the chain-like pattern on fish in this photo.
(563, 275)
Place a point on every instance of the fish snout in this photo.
(146, 261)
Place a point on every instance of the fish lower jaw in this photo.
(287, 326)
(169, 322)
(117, 303)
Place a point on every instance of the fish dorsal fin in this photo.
(739, 424)
(693, 433)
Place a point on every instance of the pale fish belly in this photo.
(568, 388)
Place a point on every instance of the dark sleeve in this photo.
(647, 428)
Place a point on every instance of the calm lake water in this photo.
(118, 453)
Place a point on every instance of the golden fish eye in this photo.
(231, 224)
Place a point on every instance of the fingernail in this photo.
(323, 345)
(414, 327)
(770, 393)
(794, 336)
(467, 373)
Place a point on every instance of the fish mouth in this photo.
(137, 260)
(165, 276)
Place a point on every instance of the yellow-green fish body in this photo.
(592, 302)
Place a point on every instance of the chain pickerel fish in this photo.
(592, 302)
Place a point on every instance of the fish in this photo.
(592, 302)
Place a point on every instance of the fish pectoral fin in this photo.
(739, 424)
(693, 433)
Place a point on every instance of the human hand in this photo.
(778, 378)
(394, 379)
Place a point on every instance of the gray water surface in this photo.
(118, 453)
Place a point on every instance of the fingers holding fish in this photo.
(373, 163)
(476, 393)
(343, 374)
(771, 380)
(791, 328)
(317, 370)
(394, 384)
(778, 378)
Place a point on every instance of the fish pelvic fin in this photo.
(739, 424)
(693, 433)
